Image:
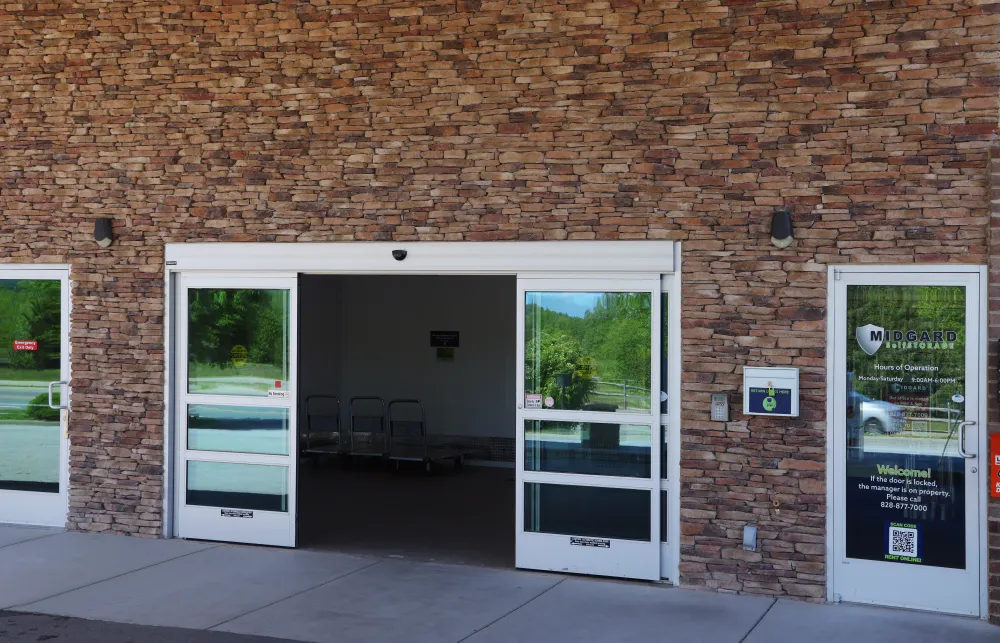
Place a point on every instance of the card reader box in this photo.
(772, 391)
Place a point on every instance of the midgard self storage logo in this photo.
(871, 338)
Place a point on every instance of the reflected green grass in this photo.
(257, 371)
(47, 375)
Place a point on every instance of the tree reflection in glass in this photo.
(237, 341)
(589, 351)
(30, 358)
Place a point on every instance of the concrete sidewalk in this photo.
(322, 596)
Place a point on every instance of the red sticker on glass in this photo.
(277, 383)
(25, 345)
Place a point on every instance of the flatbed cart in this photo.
(368, 437)
(323, 436)
(408, 440)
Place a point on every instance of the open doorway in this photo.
(239, 399)
(406, 416)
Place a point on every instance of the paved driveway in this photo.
(322, 596)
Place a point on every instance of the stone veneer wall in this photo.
(993, 383)
(333, 120)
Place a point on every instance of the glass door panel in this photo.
(237, 407)
(597, 512)
(903, 408)
(588, 351)
(237, 486)
(587, 478)
(33, 361)
(237, 341)
(593, 448)
(238, 429)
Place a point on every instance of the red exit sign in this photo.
(25, 345)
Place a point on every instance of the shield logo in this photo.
(870, 337)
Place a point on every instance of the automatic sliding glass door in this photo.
(236, 409)
(588, 414)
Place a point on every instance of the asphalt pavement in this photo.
(32, 628)
(18, 397)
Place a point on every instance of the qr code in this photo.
(902, 541)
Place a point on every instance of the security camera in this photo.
(399, 255)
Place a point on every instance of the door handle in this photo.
(961, 439)
(53, 406)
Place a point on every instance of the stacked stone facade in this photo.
(992, 373)
(468, 120)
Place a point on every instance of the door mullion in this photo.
(583, 480)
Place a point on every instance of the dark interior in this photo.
(449, 516)
(371, 346)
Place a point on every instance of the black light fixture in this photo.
(102, 232)
(781, 229)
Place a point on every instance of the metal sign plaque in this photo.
(444, 339)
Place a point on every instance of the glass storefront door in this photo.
(236, 409)
(588, 417)
(34, 374)
(907, 441)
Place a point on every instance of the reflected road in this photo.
(18, 397)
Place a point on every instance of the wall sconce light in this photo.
(102, 232)
(781, 229)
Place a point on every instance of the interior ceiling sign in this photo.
(444, 339)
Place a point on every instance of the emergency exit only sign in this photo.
(25, 345)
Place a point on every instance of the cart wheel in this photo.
(427, 467)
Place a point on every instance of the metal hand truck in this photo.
(368, 437)
(408, 439)
(323, 435)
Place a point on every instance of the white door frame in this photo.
(590, 258)
(33, 508)
(556, 552)
(599, 258)
(835, 441)
(254, 526)
(671, 423)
